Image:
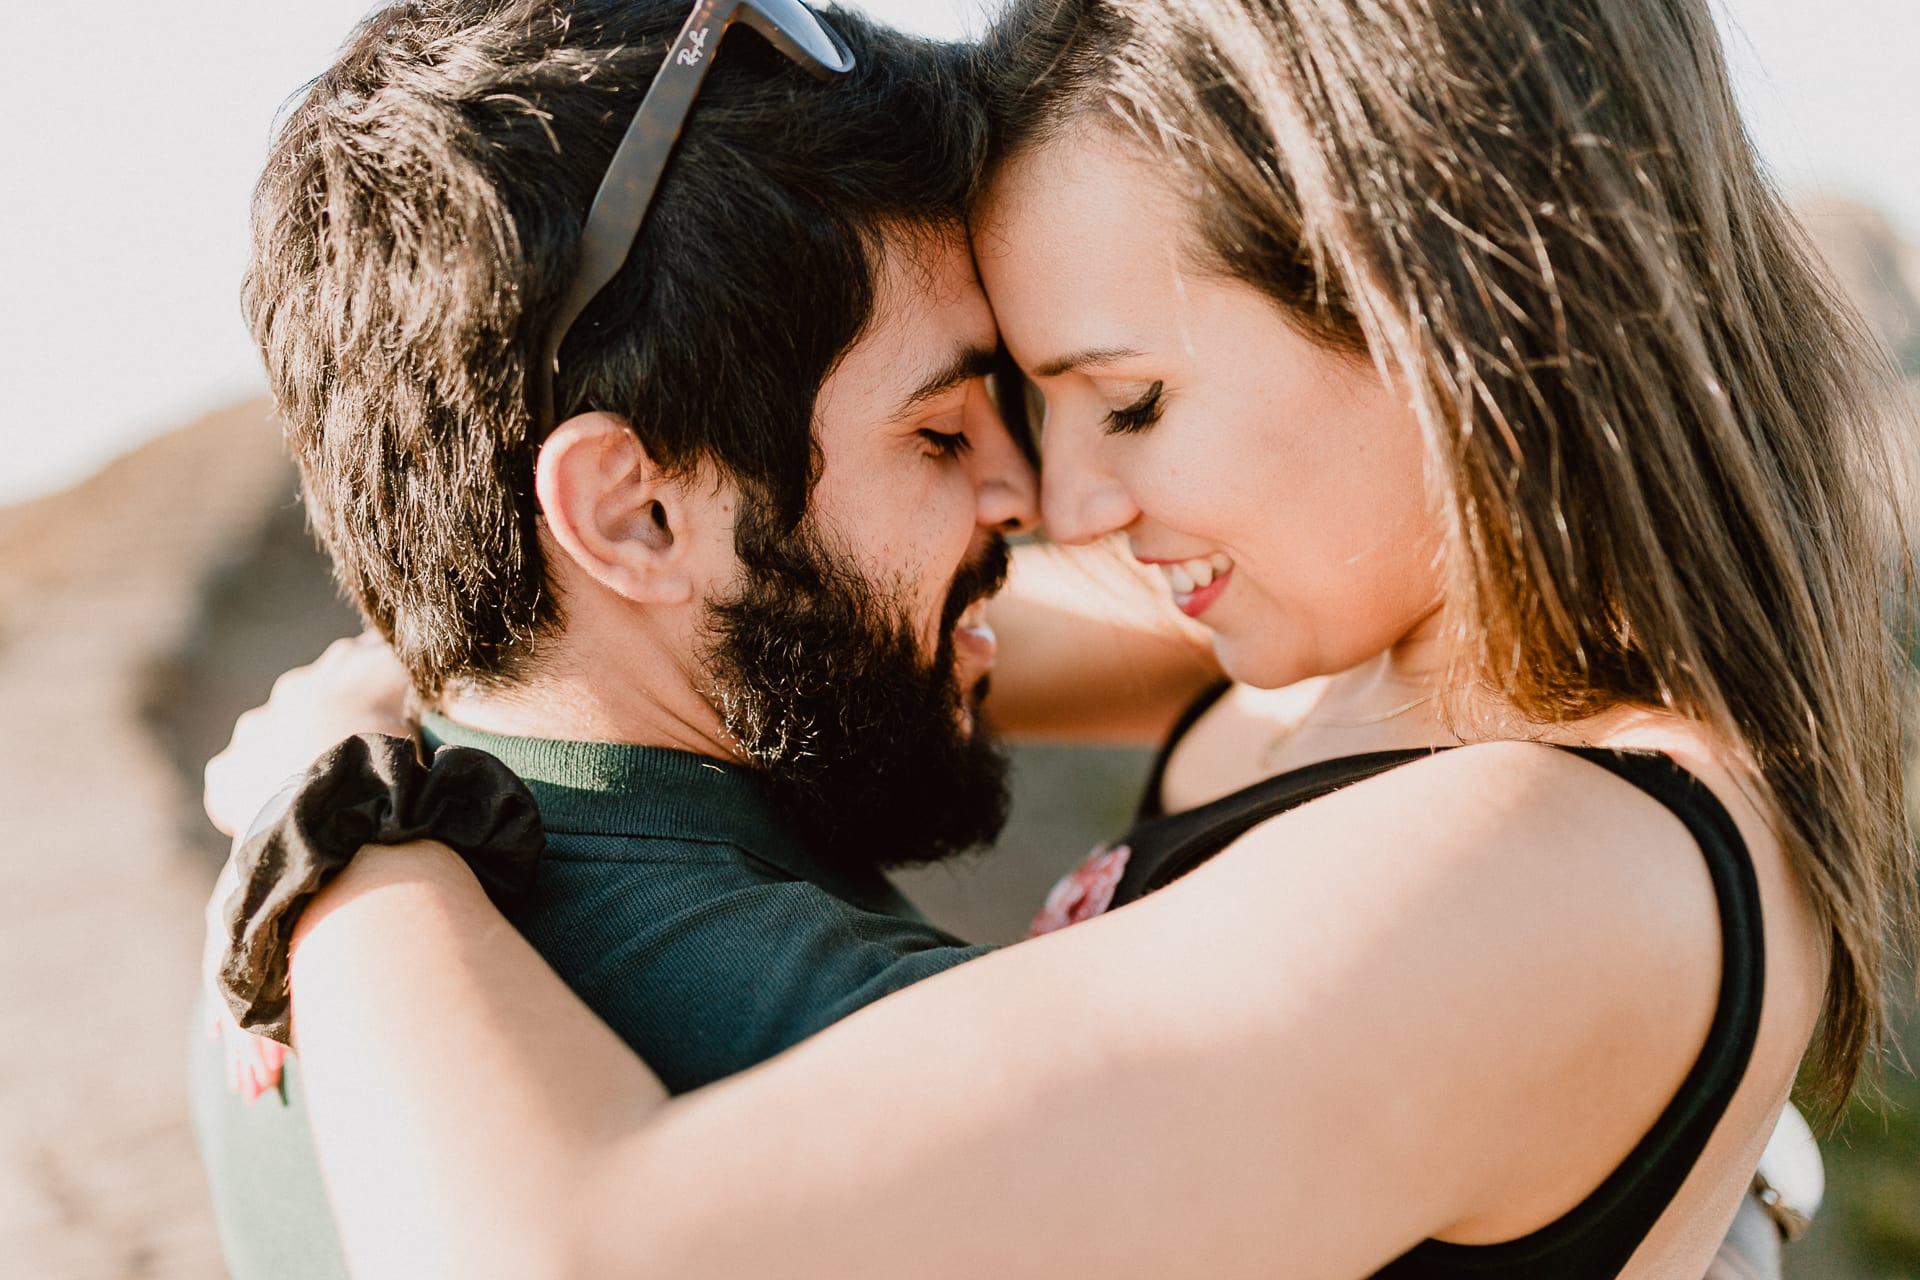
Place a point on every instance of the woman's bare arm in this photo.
(1376, 1019)
(457, 1084)
(1091, 649)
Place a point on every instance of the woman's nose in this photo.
(1081, 500)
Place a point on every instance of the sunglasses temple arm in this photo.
(795, 30)
(620, 205)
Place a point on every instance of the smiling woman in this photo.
(1473, 282)
(1210, 426)
(1457, 367)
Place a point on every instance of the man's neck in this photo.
(568, 706)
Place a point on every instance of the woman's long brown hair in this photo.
(1668, 456)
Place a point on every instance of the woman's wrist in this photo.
(368, 791)
(425, 867)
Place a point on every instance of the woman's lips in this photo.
(1196, 602)
(1195, 582)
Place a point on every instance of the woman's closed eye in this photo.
(1139, 415)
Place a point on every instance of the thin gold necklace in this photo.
(1378, 717)
(1286, 735)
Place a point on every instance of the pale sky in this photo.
(136, 137)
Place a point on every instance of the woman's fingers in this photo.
(356, 686)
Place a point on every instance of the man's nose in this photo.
(1080, 498)
(1007, 489)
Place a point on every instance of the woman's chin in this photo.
(1262, 665)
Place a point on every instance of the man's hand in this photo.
(356, 686)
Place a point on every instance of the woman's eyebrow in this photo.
(1083, 359)
(966, 365)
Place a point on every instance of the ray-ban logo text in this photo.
(696, 49)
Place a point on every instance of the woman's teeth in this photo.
(1188, 576)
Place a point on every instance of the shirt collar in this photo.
(622, 789)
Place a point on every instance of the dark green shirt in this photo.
(678, 907)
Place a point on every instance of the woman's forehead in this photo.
(1076, 231)
(1087, 184)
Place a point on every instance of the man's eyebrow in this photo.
(1081, 359)
(974, 362)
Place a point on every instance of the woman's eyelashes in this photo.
(1139, 415)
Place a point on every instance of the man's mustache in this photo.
(985, 574)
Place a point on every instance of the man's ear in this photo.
(615, 513)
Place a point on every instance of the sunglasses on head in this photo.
(633, 176)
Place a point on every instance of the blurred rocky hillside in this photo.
(1871, 1226)
(1879, 270)
(102, 588)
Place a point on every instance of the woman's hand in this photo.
(356, 686)
(254, 1063)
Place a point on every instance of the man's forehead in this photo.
(932, 326)
(931, 330)
(929, 270)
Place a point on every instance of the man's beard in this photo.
(864, 743)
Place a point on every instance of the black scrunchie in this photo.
(370, 789)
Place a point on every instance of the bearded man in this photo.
(705, 566)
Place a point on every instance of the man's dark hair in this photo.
(418, 222)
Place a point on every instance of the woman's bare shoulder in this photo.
(1561, 936)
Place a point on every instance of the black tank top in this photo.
(1596, 1238)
